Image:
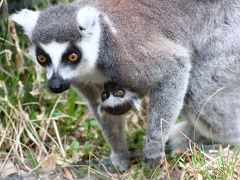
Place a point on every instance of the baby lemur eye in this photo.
(73, 57)
(104, 96)
(119, 93)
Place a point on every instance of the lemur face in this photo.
(110, 88)
(117, 100)
(65, 41)
(69, 60)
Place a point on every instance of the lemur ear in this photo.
(88, 18)
(27, 19)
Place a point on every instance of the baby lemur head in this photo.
(117, 100)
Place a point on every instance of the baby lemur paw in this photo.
(121, 161)
(153, 153)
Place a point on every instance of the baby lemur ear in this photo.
(27, 19)
(88, 19)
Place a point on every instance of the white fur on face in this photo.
(88, 19)
(113, 101)
(129, 96)
(27, 19)
(50, 72)
(32, 53)
(55, 51)
(86, 70)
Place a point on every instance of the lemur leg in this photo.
(166, 101)
(180, 137)
(219, 119)
(183, 136)
(112, 127)
(213, 98)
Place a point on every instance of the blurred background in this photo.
(15, 5)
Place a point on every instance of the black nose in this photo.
(57, 84)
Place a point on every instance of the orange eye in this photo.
(73, 57)
(41, 58)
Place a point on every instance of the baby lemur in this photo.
(183, 54)
(117, 100)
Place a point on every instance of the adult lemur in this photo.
(178, 52)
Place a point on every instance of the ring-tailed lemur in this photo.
(180, 53)
(117, 100)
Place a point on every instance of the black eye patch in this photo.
(72, 56)
(42, 57)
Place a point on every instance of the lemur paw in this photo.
(121, 161)
(179, 138)
(175, 146)
(153, 153)
(154, 163)
(111, 164)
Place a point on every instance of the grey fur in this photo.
(113, 127)
(55, 24)
(175, 51)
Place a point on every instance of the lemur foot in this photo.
(14, 176)
(153, 153)
(108, 164)
(115, 163)
(180, 138)
(121, 161)
(177, 145)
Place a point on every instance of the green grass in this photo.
(42, 132)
